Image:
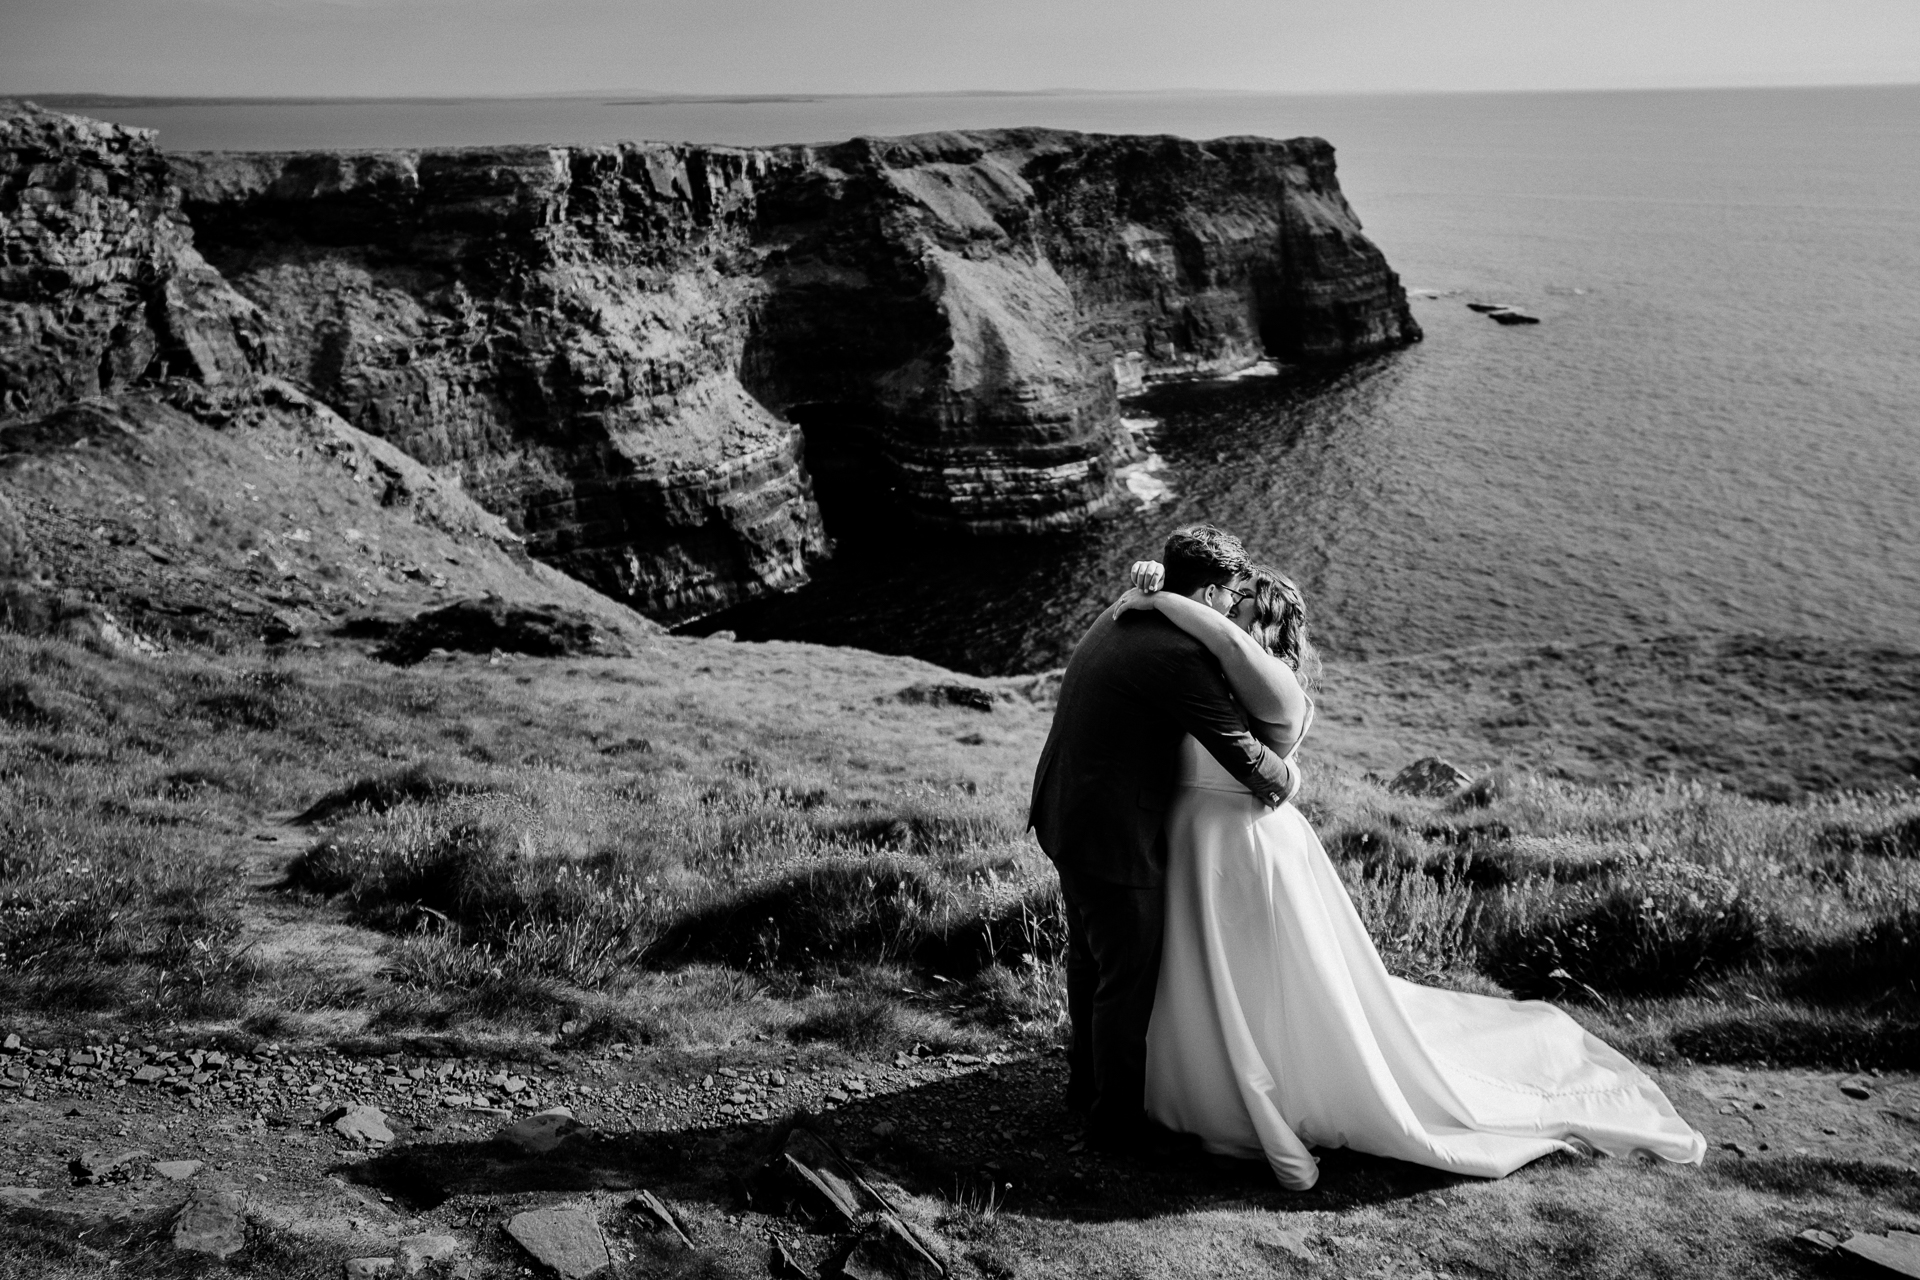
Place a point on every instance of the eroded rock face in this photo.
(560, 325)
(961, 301)
(627, 352)
(613, 342)
(99, 282)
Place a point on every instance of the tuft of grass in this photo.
(1656, 930)
(1898, 837)
(421, 782)
(1424, 928)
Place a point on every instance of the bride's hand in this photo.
(1147, 575)
(1135, 598)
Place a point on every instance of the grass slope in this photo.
(784, 853)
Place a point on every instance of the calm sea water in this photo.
(1716, 426)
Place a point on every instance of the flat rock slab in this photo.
(211, 1222)
(364, 1125)
(21, 1197)
(415, 1253)
(566, 1238)
(656, 1211)
(538, 1135)
(1896, 1251)
(176, 1170)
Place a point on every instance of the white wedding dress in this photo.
(1276, 1028)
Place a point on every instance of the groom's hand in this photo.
(1289, 786)
(1295, 779)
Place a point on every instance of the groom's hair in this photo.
(1199, 555)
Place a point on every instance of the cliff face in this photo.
(611, 346)
(962, 301)
(564, 327)
(99, 284)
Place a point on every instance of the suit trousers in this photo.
(1113, 966)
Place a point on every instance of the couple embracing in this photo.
(1219, 982)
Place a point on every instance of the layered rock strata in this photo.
(564, 327)
(100, 286)
(611, 346)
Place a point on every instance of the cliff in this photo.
(100, 286)
(626, 351)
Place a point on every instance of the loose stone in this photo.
(211, 1222)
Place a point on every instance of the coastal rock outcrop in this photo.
(628, 352)
(562, 327)
(100, 286)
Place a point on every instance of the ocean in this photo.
(1715, 428)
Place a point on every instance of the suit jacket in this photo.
(1134, 686)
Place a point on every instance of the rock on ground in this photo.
(540, 1134)
(365, 1125)
(566, 1238)
(416, 1253)
(483, 626)
(212, 1222)
(1432, 777)
(96, 1166)
(1897, 1251)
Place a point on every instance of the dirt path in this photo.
(276, 930)
(975, 1151)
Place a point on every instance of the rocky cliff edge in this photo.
(626, 352)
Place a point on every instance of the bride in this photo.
(1275, 1026)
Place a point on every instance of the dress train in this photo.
(1276, 1027)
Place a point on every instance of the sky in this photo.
(508, 47)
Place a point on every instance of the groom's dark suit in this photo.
(1132, 689)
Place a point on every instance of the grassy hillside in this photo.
(709, 841)
(643, 872)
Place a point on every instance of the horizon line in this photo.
(643, 97)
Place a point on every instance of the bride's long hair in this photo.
(1280, 622)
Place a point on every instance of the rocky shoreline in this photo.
(627, 353)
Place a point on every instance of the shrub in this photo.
(1421, 927)
(818, 914)
(417, 783)
(1876, 965)
(1565, 859)
(1008, 925)
(1899, 838)
(1653, 930)
(1378, 844)
(1487, 789)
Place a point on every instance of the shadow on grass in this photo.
(1832, 1041)
(1001, 1130)
(1808, 1177)
(415, 783)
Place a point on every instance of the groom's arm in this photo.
(1192, 691)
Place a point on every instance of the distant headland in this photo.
(626, 352)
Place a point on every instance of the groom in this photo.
(1134, 686)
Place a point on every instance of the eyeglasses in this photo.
(1238, 595)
